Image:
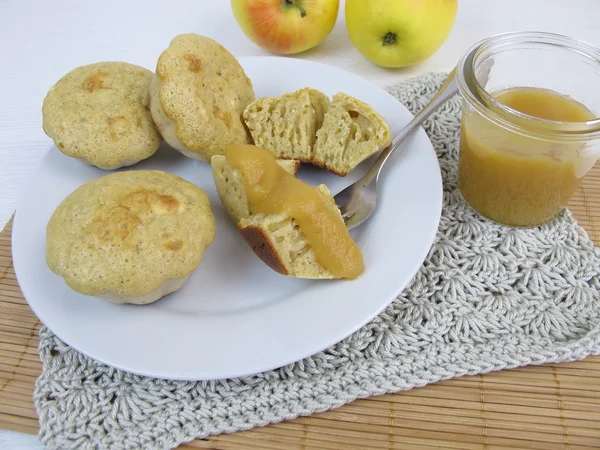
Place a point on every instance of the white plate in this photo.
(235, 316)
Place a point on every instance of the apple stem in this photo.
(294, 3)
(390, 38)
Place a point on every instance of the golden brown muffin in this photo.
(130, 237)
(199, 93)
(99, 114)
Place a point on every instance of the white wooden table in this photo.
(42, 40)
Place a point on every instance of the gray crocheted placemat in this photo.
(486, 298)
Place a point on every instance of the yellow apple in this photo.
(286, 26)
(398, 33)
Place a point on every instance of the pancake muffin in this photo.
(130, 237)
(99, 114)
(198, 95)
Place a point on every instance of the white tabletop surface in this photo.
(41, 41)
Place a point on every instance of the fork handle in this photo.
(447, 91)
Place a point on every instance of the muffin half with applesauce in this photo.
(294, 228)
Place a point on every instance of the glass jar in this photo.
(518, 167)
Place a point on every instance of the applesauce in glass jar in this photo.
(530, 129)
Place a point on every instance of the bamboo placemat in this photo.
(538, 407)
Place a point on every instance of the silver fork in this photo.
(358, 201)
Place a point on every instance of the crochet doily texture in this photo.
(486, 298)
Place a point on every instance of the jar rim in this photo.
(487, 105)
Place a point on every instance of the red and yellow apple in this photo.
(398, 33)
(286, 26)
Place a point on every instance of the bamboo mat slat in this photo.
(539, 407)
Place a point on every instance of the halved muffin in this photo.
(284, 237)
(230, 185)
(280, 243)
(305, 125)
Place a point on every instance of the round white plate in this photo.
(235, 316)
